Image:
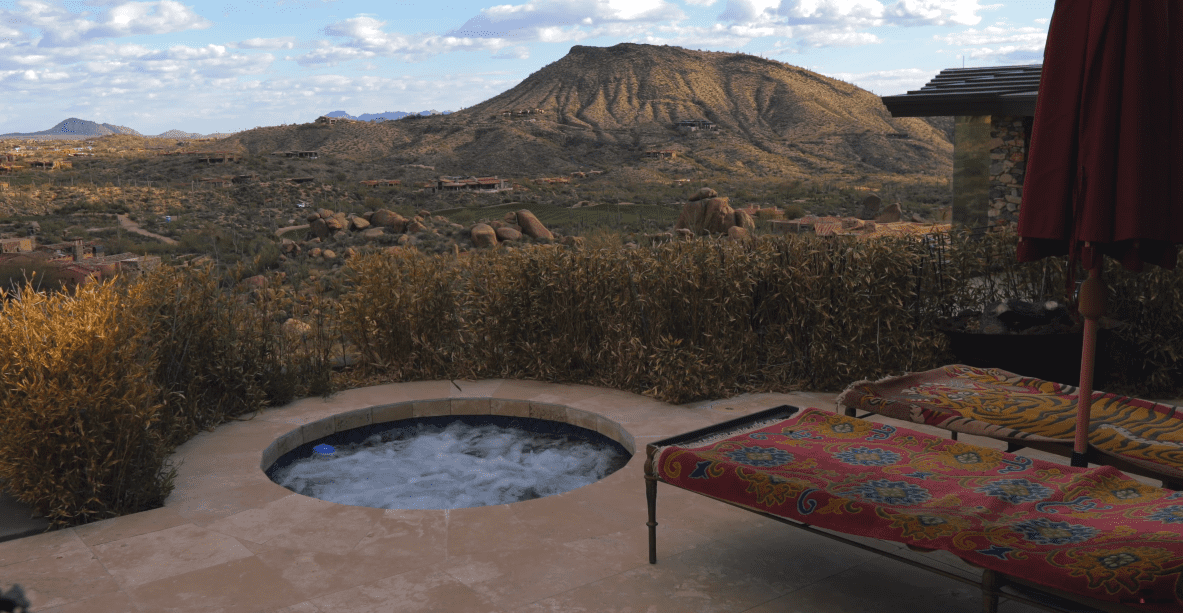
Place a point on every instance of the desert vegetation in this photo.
(101, 383)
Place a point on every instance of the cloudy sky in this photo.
(205, 66)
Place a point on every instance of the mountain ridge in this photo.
(385, 115)
(604, 107)
(74, 127)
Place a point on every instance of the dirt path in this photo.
(132, 226)
(281, 231)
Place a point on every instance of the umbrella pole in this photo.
(1091, 307)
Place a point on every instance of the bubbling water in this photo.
(423, 466)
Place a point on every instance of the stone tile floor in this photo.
(228, 540)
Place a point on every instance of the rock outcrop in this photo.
(531, 226)
(483, 236)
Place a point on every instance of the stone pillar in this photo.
(971, 167)
(1008, 165)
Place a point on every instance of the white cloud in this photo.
(61, 27)
(366, 38)
(533, 20)
(286, 42)
(887, 82)
(832, 38)
(847, 14)
(1000, 43)
(513, 53)
(700, 2)
(934, 12)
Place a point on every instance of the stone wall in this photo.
(1008, 166)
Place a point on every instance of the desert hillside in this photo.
(603, 108)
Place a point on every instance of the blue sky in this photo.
(236, 64)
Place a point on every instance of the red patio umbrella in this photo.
(1105, 164)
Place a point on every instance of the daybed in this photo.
(1136, 436)
(1090, 535)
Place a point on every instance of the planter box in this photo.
(1051, 357)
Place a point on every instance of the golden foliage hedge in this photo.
(101, 384)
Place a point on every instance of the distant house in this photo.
(475, 184)
(693, 125)
(49, 164)
(311, 155)
(299, 180)
(18, 245)
(218, 157)
(328, 121)
(994, 112)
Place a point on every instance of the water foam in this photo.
(454, 467)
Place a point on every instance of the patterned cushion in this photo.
(1089, 531)
(1000, 404)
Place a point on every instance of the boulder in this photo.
(407, 239)
(891, 214)
(424, 213)
(315, 252)
(572, 241)
(737, 233)
(350, 252)
(718, 216)
(320, 229)
(916, 218)
(531, 226)
(745, 221)
(329, 254)
(869, 208)
(324, 213)
(358, 223)
(389, 219)
(295, 328)
(508, 234)
(257, 281)
(511, 217)
(483, 235)
(312, 217)
(416, 226)
(684, 233)
(334, 224)
(367, 215)
(372, 234)
(704, 194)
(691, 216)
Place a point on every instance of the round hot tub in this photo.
(450, 461)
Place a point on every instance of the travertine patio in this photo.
(228, 540)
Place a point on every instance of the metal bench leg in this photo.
(850, 411)
(651, 498)
(953, 434)
(990, 586)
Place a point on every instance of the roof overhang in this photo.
(999, 90)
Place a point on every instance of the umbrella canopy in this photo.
(1105, 163)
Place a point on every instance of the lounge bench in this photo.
(1136, 436)
(1088, 535)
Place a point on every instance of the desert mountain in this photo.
(387, 115)
(80, 127)
(603, 107)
